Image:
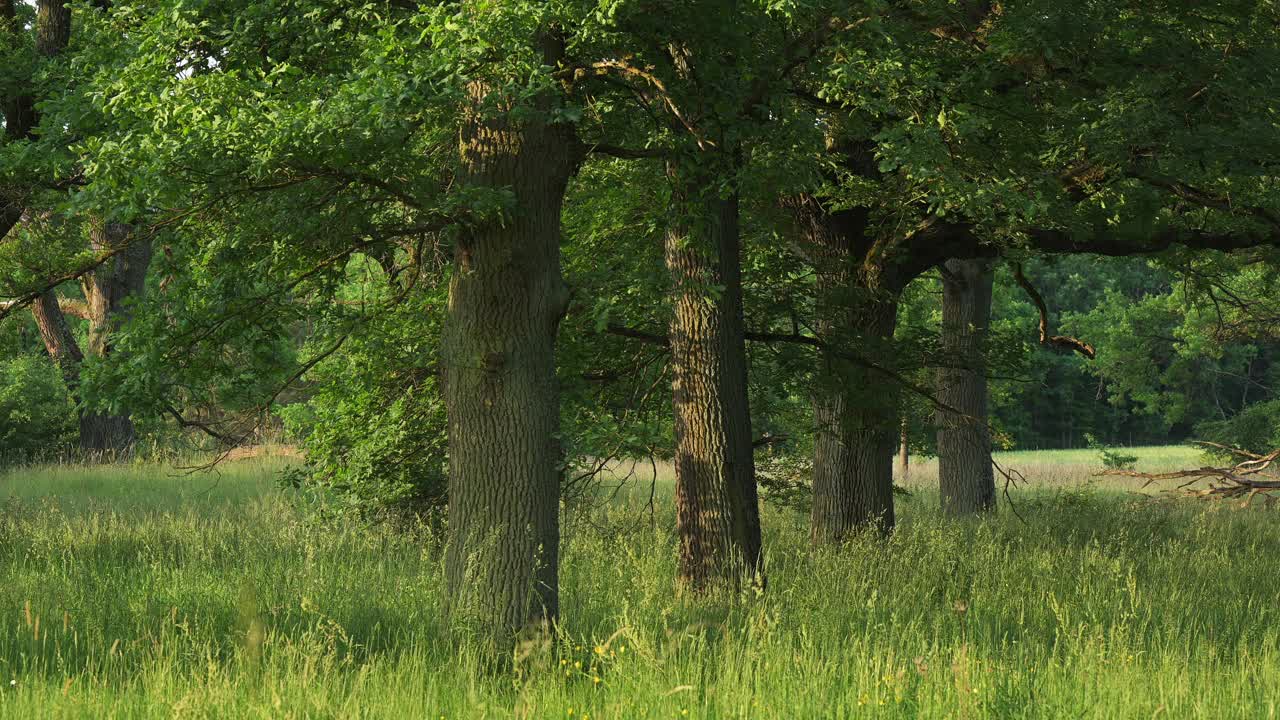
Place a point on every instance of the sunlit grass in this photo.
(1057, 469)
(142, 592)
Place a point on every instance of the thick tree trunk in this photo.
(855, 408)
(855, 412)
(109, 292)
(115, 285)
(717, 507)
(53, 26)
(965, 474)
(506, 299)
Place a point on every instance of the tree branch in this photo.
(798, 339)
(74, 308)
(1247, 478)
(1061, 342)
(184, 423)
(629, 153)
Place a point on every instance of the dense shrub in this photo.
(37, 417)
(1256, 428)
(373, 427)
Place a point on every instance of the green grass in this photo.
(139, 592)
(1044, 469)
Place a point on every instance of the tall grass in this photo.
(141, 593)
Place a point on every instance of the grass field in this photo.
(140, 592)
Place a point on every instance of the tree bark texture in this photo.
(506, 299)
(53, 26)
(965, 475)
(59, 342)
(109, 292)
(855, 412)
(855, 408)
(717, 505)
(111, 288)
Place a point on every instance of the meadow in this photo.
(139, 591)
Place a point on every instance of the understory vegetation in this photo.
(145, 592)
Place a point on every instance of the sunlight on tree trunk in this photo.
(717, 509)
(506, 299)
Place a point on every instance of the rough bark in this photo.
(111, 288)
(965, 475)
(717, 506)
(53, 26)
(855, 409)
(506, 299)
(59, 342)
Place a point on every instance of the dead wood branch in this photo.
(1245, 480)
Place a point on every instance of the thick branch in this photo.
(1061, 342)
(74, 308)
(1203, 199)
(207, 429)
(1246, 479)
(58, 340)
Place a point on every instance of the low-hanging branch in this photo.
(74, 308)
(1061, 342)
(626, 153)
(1246, 479)
(8, 307)
(799, 339)
(226, 439)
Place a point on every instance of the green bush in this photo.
(373, 424)
(37, 417)
(1112, 458)
(1254, 428)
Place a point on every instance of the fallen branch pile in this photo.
(1247, 479)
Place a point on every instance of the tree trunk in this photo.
(506, 299)
(101, 435)
(855, 412)
(855, 408)
(116, 284)
(965, 474)
(904, 451)
(59, 341)
(53, 26)
(717, 507)
(109, 291)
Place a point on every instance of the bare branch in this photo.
(1061, 342)
(1246, 479)
(629, 153)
